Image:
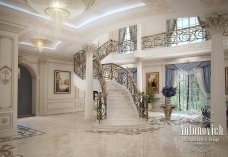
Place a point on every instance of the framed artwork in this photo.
(62, 82)
(152, 81)
(226, 79)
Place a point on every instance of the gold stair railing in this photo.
(124, 77)
(102, 96)
(103, 51)
(80, 64)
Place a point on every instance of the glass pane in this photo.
(185, 23)
(192, 21)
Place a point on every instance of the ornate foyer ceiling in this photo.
(105, 16)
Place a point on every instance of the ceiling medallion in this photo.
(59, 10)
(67, 8)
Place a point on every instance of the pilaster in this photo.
(8, 77)
(215, 24)
(89, 49)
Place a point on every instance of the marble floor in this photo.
(69, 135)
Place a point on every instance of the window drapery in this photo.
(193, 81)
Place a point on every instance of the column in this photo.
(8, 77)
(139, 37)
(138, 60)
(139, 74)
(89, 82)
(218, 105)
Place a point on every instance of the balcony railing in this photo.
(177, 37)
(127, 46)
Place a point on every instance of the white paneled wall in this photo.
(47, 101)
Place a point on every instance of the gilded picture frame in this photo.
(152, 82)
(62, 82)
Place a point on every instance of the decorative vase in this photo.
(167, 108)
(167, 100)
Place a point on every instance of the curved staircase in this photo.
(120, 104)
(121, 110)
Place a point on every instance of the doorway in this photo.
(24, 92)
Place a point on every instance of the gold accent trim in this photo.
(66, 12)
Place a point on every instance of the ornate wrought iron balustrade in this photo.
(124, 77)
(105, 49)
(127, 46)
(180, 36)
(80, 64)
(80, 58)
(102, 96)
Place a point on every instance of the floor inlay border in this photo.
(7, 151)
(22, 132)
(124, 131)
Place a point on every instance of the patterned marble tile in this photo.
(68, 135)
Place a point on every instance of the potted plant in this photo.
(167, 108)
(151, 99)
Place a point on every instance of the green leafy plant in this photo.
(151, 96)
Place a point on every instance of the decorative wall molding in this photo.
(5, 74)
(6, 120)
(11, 27)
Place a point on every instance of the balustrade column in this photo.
(139, 74)
(218, 105)
(139, 37)
(89, 82)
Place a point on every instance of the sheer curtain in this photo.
(201, 82)
(171, 25)
(122, 32)
(193, 83)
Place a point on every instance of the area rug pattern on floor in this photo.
(22, 132)
(176, 120)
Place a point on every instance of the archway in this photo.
(24, 92)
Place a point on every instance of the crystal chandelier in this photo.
(59, 10)
(40, 43)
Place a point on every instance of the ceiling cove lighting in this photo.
(139, 4)
(41, 44)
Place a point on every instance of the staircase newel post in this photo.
(111, 72)
(143, 105)
(127, 82)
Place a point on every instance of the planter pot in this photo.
(167, 109)
(150, 107)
